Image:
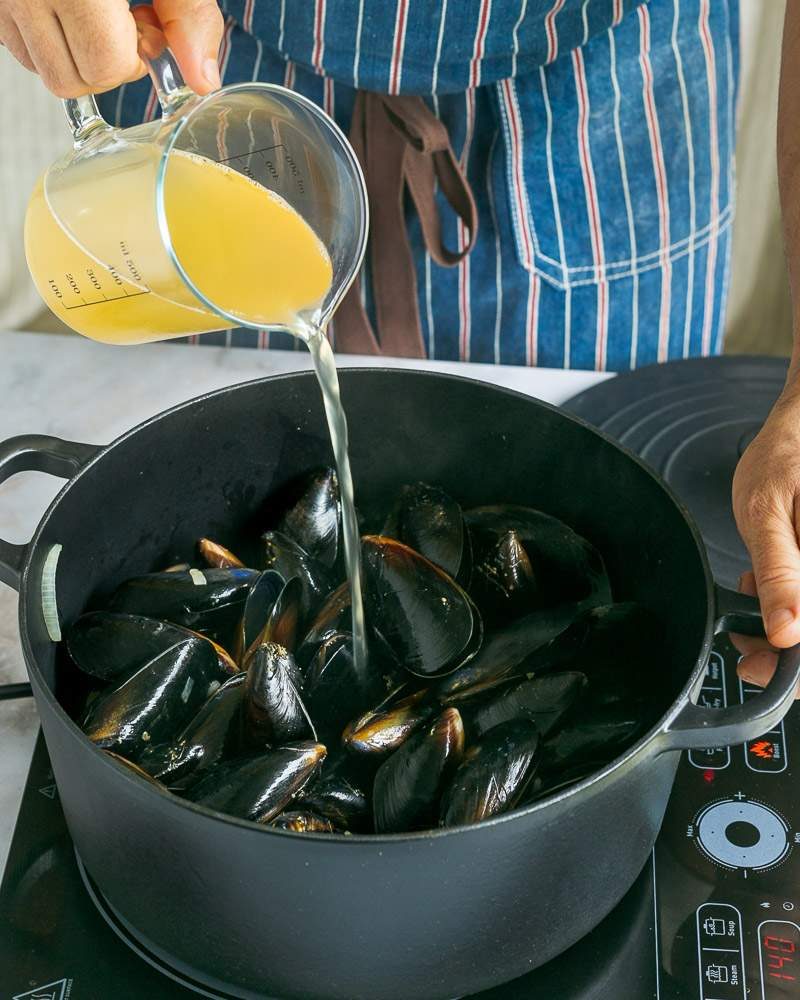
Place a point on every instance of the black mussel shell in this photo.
(111, 644)
(386, 727)
(302, 821)
(335, 616)
(544, 700)
(209, 601)
(427, 620)
(592, 732)
(284, 619)
(509, 650)
(493, 775)
(314, 519)
(504, 583)
(408, 784)
(340, 791)
(274, 712)
(611, 644)
(156, 702)
(217, 556)
(336, 693)
(557, 780)
(256, 614)
(430, 522)
(258, 788)
(283, 555)
(569, 567)
(213, 734)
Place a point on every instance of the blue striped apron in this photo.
(597, 137)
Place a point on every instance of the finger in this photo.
(758, 668)
(772, 542)
(12, 39)
(194, 32)
(748, 643)
(103, 45)
(44, 39)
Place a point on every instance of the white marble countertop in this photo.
(76, 389)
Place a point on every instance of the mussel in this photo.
(283, 555)
(430, 522)
(302, 821)
(112, 644)
(504, 583)
(217, 556)
(590, 733)
(258, 788)
(156, 701)
(340, 791)
(509, 650)
(335, 616)
(387, 726)
(424, 616)
(544, 700)
(493, 775)
(256, 613)
(408, 784)
(273, 702)
(314, 519)
(209, 601)
(212, 735)
(569, 567)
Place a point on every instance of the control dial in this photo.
(742, 833)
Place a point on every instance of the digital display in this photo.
(779, 942)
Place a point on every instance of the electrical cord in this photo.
(9, 691)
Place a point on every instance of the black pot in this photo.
(257, 912)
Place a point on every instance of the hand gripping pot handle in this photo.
(36, 453)
(698, 728)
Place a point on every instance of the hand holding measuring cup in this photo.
(244, 207)
(81, 46)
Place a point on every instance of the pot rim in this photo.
(648, 742)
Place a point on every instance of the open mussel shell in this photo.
(111, 644)
(569, 567)
(302, 821)
(283, 555)
(314, 518)
(510, 649)
(543, 700)
(209, 601)
(156, 701)
(408, 784)
(427, 620)
(213, 734)
(256, 613)
(493, 775)
(386, 727)
(274, 712)
(340, 791)
(258, 788)
(430, 521)
(217, 556)
(504, 583)
(335, 616)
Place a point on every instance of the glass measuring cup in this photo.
(246, 207)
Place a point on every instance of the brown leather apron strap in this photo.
(400, 142)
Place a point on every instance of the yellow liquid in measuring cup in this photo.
(245, 248)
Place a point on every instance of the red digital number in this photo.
(780, 951)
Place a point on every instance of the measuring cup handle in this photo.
(84, 118)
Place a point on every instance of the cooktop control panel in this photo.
(728, 861)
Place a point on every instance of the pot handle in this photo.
(696, 728)
(36, 453)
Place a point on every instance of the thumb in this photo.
(772, 542)
(194, 32)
